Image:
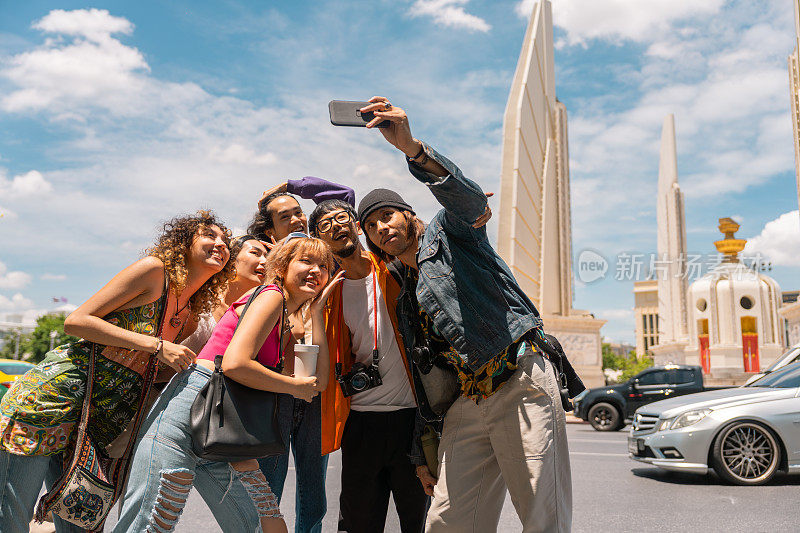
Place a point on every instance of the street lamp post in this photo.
(53, 335)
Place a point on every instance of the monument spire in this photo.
(529, 159)
(668, 164)
(534, 230)
(797, 21)
(794, 86)
(670, 268)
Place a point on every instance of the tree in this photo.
(611, 360)
(38, 342)
(630, 365)
(9, 345)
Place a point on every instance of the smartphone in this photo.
(344, 113)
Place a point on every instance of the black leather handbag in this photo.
(232, 422)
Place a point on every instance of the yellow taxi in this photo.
(10, 370)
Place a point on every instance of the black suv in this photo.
(610, 408)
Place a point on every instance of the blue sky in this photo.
(114, 116)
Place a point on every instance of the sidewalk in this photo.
(572, 419)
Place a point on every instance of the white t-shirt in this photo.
(198, 339)
(358, 309)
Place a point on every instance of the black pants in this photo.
(375, 463)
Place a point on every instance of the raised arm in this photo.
(319, 190)
(239, 361)
(313, 188)
(138, 284)
(462, 198)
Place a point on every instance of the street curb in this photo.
(572, 419)
(46, 527)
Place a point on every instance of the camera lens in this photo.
(359, 382)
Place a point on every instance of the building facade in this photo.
(645, 315)
(790, 312)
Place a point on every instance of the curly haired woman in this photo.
(165, 467)
(132, 325)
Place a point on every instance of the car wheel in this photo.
(746, 453)
(605, 417)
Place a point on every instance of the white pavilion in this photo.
(734, 326)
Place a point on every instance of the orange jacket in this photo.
(335, 407)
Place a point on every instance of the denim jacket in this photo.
(464, 285)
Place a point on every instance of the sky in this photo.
(116, 116)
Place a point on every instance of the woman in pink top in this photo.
(165, 468)
(249, 256)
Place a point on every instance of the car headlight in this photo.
(664, 424)
(689, 417)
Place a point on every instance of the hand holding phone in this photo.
(346, 113)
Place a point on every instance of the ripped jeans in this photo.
(165, 469)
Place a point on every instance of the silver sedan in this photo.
(745, 434)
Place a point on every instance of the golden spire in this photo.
(730, 246)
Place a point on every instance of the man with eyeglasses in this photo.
(371, 419)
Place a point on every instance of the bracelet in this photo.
(421, 150)
(159, 346)
(421, 153)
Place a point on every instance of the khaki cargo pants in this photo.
(516, 438)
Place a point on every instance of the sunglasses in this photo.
(295, 235)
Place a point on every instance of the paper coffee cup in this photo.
(305, 360)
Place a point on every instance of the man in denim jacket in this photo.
(507, 428)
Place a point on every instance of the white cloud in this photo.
(242, 155)
(65, 308)
(16, 303)
(449, 13)
(19, 309)
(168, 148)
(620, 325)
(53, 277)
(94, 24)
(615, 314)
(177, 141)
(779, 240)
(29, 184)
(93, 69)
(14, 279)
(616, 20)
(728, 88)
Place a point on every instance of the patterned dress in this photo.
(39, 414)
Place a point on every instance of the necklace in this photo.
(176, 322)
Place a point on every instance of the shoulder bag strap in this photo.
(84, 420)
(163, 313)
(394, 270)
(87, 398)
(259, 290)
(121, 467)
